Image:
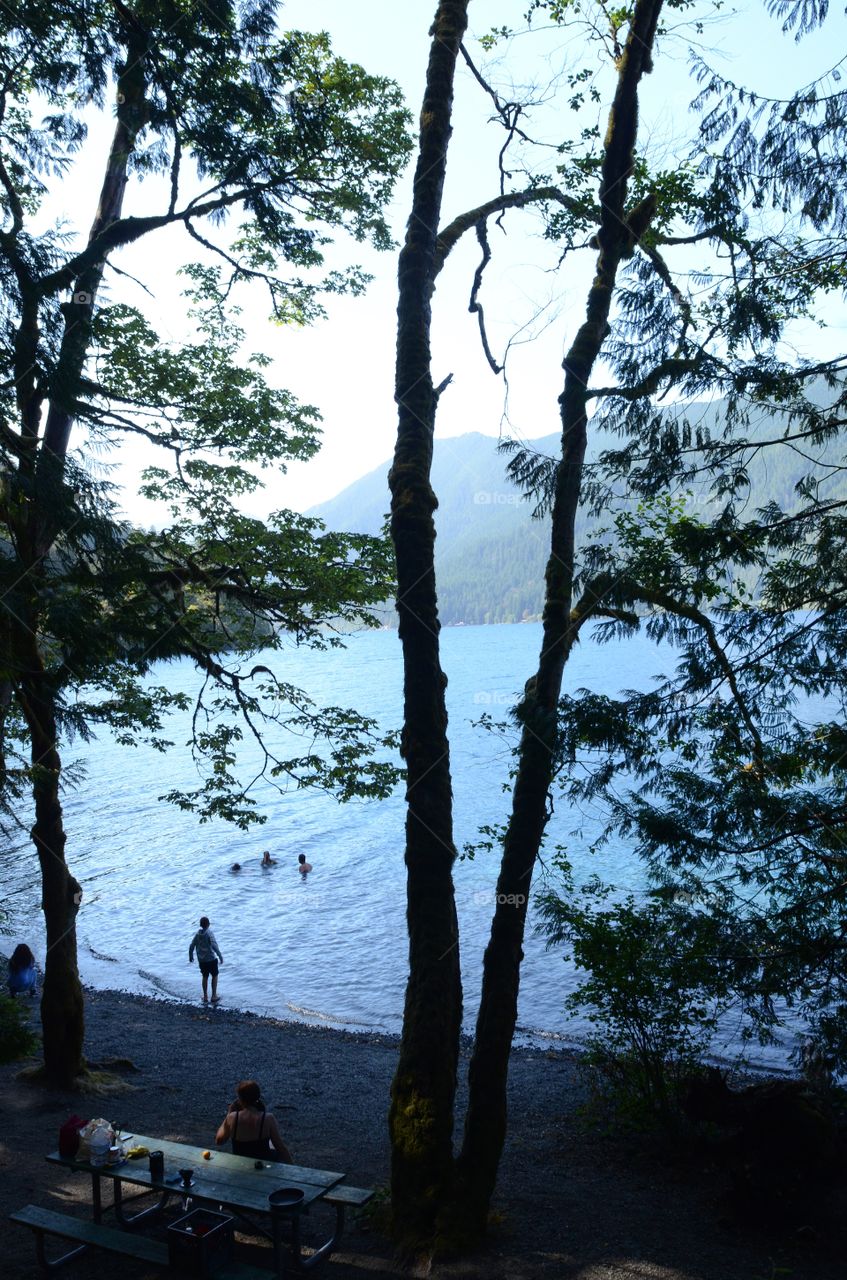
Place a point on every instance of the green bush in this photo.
(651, 994)
(17, 1040)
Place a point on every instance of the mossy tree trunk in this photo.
(422, 1096)
(62, 1011)
(485, 1125)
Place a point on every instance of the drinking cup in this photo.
(186, 1175)
(157, 1166)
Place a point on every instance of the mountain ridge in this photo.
(490, 555)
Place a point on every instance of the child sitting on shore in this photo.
(23, 975)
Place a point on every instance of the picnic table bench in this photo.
(46, 1222)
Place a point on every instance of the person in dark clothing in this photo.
(23, 975)
(208, 956)
(252, 1129)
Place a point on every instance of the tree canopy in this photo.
(261, 146)
(728, 777)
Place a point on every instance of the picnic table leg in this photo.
(132, 1219)
(299, 1263)
(279, 1249)
(96, 1198)
(52, 1264)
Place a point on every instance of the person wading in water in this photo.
(208, 955)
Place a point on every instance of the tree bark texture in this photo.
(422, 1096)
(485, 1124)
(62, 1012)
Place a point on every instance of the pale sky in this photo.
(344, 364)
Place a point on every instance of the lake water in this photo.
(330, 948)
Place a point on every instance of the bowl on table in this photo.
(286, 1198)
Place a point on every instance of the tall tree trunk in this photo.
(62, 1008)
(131, 113)
(422, 1095)
(62, 1013)
(485, 1123)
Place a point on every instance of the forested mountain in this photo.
(490, 553)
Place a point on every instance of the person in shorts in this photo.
(208, 956)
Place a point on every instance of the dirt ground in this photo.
(570, 1202)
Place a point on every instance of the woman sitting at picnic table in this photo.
(252, 1129)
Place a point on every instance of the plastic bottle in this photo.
(98, 1146)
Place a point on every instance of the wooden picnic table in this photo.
(228, 1182)
(226, 1179)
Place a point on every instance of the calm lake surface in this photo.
(330, 948)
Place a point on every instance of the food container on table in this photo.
(99, 1146)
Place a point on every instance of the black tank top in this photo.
(258, 1148)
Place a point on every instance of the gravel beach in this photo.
(570, 1202)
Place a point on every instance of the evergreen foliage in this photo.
(728, 777)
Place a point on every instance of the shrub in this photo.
(17, 1040)
(651, 993)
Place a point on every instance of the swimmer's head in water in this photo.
(301, 858)
(236, 866)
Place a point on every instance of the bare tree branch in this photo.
(450, 236)
(475, 305)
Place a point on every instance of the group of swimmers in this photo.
(304, 867)
(205, 944)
